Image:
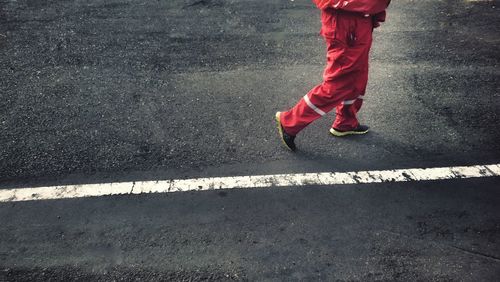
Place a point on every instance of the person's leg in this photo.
(346, 112)
(312, 106)
(344, 78)
(346, 115)
(338, 84)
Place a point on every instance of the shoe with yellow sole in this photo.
(288, 140)
(361, 129)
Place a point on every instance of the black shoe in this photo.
(361, 129)
(288, 140)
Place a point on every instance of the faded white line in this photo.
(240, 182)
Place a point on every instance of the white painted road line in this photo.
(239, 182)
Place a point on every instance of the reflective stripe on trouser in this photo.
(344, 84)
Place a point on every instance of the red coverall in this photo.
(347, 28)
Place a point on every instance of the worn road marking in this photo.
(238, 182)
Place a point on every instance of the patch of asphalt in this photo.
(68, 273)
(121, 132)
(101, 89)
(105, 91)
(433, 231)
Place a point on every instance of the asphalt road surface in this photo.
(105, 91)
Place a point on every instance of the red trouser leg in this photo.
(344, 79)
(346, 114)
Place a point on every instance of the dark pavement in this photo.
(103, 91)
